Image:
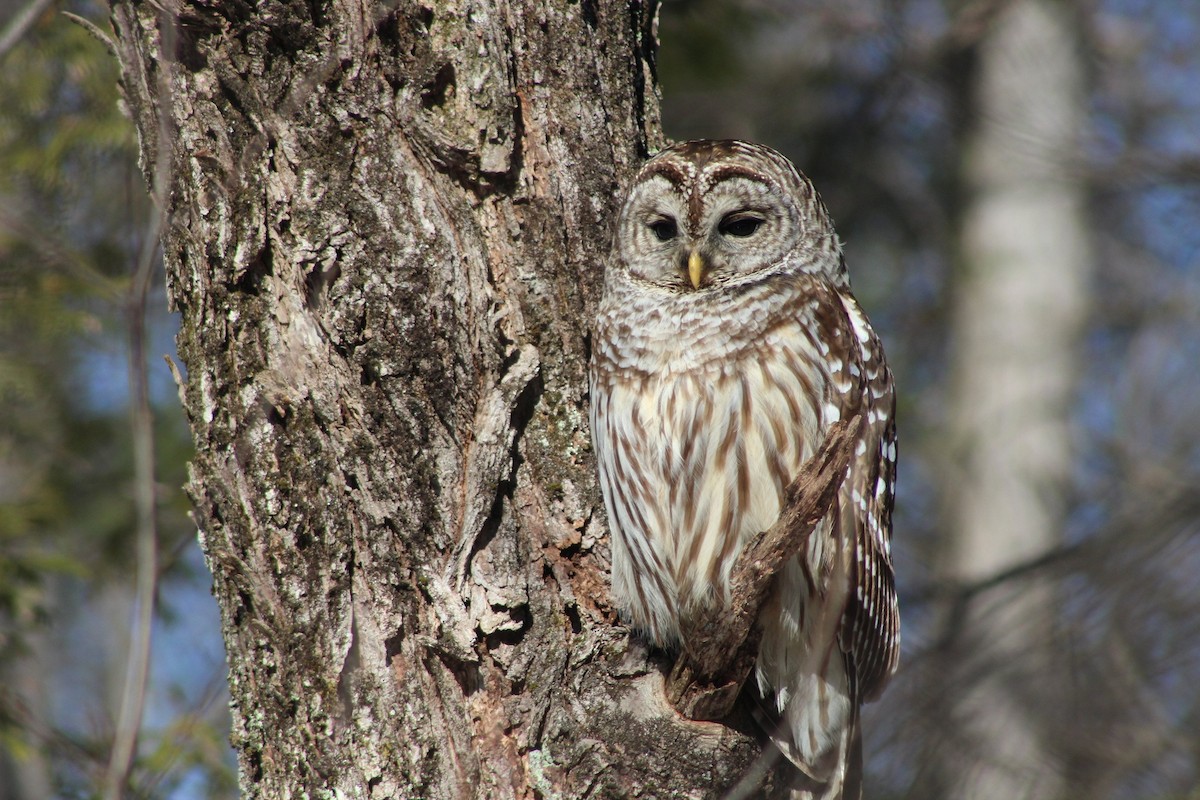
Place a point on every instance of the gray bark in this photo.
(385, 235)
(1019, 310)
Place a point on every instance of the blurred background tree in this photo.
(1048, 356)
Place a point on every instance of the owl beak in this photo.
(696, 268)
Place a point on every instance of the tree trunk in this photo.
(385, 230)
(1020, 306)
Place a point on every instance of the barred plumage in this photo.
(726, 345)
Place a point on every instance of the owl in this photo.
(726, 345)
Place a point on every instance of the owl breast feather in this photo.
(709, 437)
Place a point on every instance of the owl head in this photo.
(712, 214)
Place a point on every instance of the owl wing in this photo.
(870, 632)
(849, 612)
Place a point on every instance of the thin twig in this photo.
(57, 256)
(964, 592)
(133, 697)
(20, 24)
(205, 711)
(94, 31)
(1180, 503)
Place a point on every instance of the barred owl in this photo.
(726, 345)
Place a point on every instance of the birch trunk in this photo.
(385, 229)
(1020, 306)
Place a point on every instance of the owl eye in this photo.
(664, 229)
(739, 224)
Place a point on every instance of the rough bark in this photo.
(1020, 304)
(385, 234)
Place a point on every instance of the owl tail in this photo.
(837, 775)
